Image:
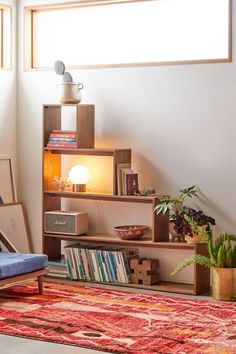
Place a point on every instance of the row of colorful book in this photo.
(58, 269)
(99, 263)
(62, 139)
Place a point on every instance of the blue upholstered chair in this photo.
(16, 266)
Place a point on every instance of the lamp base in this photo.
(79, 187)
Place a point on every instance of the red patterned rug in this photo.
(118, 321)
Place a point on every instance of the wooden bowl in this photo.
(130, 232)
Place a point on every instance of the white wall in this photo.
(180, 122)
(8, 116)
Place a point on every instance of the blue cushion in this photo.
(12, 264)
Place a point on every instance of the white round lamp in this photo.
(79, 176)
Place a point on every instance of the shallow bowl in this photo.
(130, 232)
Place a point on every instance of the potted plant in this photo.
(221, 258)
(179, 213)
(174, 206)
(187, 223)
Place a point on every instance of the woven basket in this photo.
(130, 232)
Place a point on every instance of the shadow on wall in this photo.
(149, 175)
(216, 210)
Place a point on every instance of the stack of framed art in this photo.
(13, 223)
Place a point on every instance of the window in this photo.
(111, 33)
(5, 37)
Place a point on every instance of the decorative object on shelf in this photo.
(131, 183)
(69, 91)
(79, 176)
(174, 235)
(59, 67)
(62, 183)
(144, 271)
(66, 222)
(67, 77)
(222, 259)
(130, 232)
(179, 224)
(146, 191)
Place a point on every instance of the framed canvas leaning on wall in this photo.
(13, 226)
(7, 191)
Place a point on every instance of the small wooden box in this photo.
(144, 271)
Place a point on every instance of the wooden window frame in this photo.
(1, 38)
(5, 64)
(30, 35)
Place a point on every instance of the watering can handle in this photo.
(80, 86)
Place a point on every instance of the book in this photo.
(63, 134)
(119, 181)
(124, 172)
(59, 276)
(62, 145)
(131, 183)
(62, 140)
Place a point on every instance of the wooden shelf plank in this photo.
(86, 151)
(101, 196)
(113, 240)
(179, 288)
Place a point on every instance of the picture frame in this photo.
(7, 191)
(13, 226)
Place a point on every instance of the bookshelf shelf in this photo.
(112, 240)
(52, 163)
(102, 196)
(90, 152)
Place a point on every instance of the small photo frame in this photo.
(7, 192)
(14, 227)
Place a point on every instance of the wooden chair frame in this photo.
(37, 274)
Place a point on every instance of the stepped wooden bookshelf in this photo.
(52, 200)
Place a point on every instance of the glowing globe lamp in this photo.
(79, 176)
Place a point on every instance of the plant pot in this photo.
(194, 239)
(174, 234)
(69, 92)
(224, 284)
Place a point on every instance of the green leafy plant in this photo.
(222, 252)
(175, 205)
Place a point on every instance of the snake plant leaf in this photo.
(211, 251)
(59, 67)
(228, 246)
(229, 258)
(221, 256)
(234, 257)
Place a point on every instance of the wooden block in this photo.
(144, 271)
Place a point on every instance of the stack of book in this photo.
(99, 263)
(127, 179)
(58, 269)
(62, 139)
